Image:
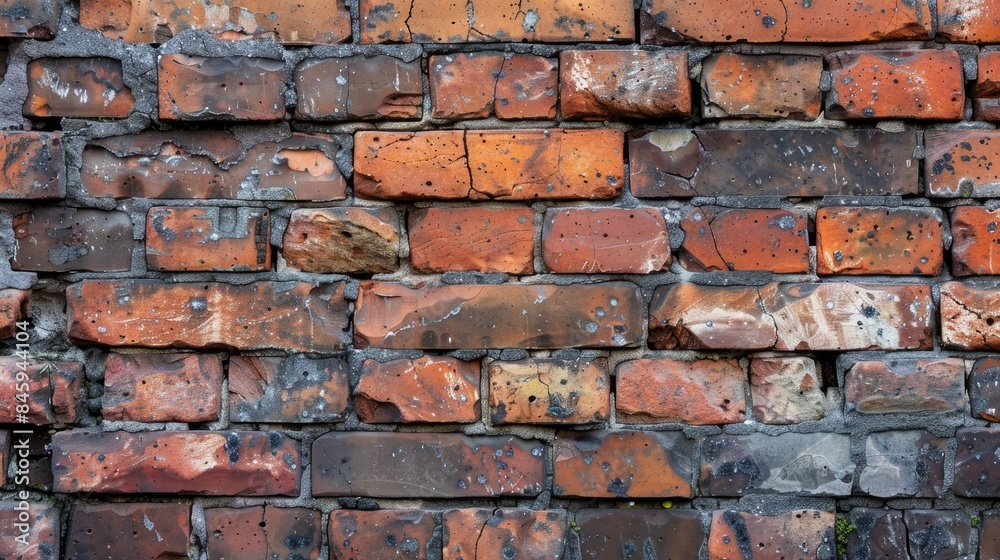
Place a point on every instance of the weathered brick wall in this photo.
(478, 279)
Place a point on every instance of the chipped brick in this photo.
(902, 385)
(608, 240)
(472, 239)
(33, 165)
(485, 534)
(610, 84)
(463, 85)
(358, 87)
(139, 531)
(550, 391)
(761, 86)
(427, 389)
(984, 389)
(34, 19)
(342, 240)
(960, 163)
(975, 240)
(196, 88)
(41, 542)
(208, 238)
(903, 464)
(51, 389)
(77, 87)
(13, 309)
(263, 533)
(58, 239)
(289, 390)
(162, 387)
(968, 315)
(786, 390)
(692, 392)
(715, 238)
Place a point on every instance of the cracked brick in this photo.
(486, 534)
(761, 86)
(745, 239)
(427, 389)
(295, 389)
(342, 240)
(472, 239)
(162, 387)
(549, 391)
(696, 392)
(605, 240)
(969, 317)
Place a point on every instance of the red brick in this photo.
(896, 85)
(489, 164)
(988, 75)
(407, 534)
(745, 239)
(289, 390)
(497, 316)
(609, 240)
(42, 540)
(196, 164)
(665, 390)
(51, 390)
(13, 309)
(528, 88)
(177, 462)
(598, 85)
(603, 464)
(550, 391)
(906, 386)
(427, 389)
(798, 534)
(792, 163)
(472, 239)
(319, 22)
(58, 239)
(342, 240)
(486, 534)
(786, 390)
(968, 22)
(761, 86)
(833, 316)
(969, 317)
(77, 87)
(769, 21)
(479, 85)
(195, 88)
(962, 163)
(358, 87)
(426, 465)
(162, 387)
(156, 314)
(861, 240)
(450, 21)
(36, 19)
(33, 165)
(263, 533)
(975, 240)
(208, 238)
(137, 531)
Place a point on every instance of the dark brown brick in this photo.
(761, 86)
(622, 533)
(550, 391)
(263, 533)
(864, 240)
(497, 316)
(162, 387)
(405, 534)
(35, 19)
(989, 535)
(427, 389)
(241, 88)
(937, 534)
(798, 534)
(832, 316)
(426, 465)
(975, 463)
(36, 539)
(683, 163)
(715, 238)
(786, 390)
(605, 240)
(208, 238)
(770, 21)
(613, 84)
(33, 165)
(319, 22)
(51, 239)
(896, 85)
(486, 534)
(13, 309)
(6, 450)
(289, 390)
(604, 464)
(51, 390)
(984, 389)
(968, 317)
(342, 240)
(195, 164)
(878, 533)
(903, 464)
(254, 316)
(448, 21)
(358, 87)
(962, 21)
(176, 462)
(135, 531)
(962, 163)
(692, 392)
(986, 109)
(77, 87)
(905, 386)
(472, 239)
(974, 240)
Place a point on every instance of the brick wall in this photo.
(441, 279)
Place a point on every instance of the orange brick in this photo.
(610, 84)
(208, 238)
(968, 22)
(342, 240)
(162, 387)
(975, 241)
(13, 308)
(528, 88)
(762, 86)
(77, 87)
(858, 240)
(988, 75)
(195, 88)
(478, 85)
(35, 19)
(427, 389)
(550, 391)
(608, 240)
(33, 165)
(472, 239)
(962, 163)
(969, 317)
(664, 390)
(745, 239)
(896, 85)
(403, 165)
